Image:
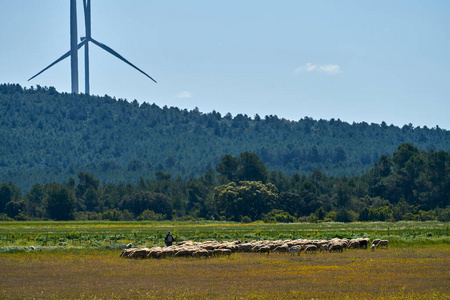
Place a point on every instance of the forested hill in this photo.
(49, 136)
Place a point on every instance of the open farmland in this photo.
(399, 273)
(114, 234)
(81, 260)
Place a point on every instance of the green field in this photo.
(105, 234)
(80, 260)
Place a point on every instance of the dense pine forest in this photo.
(66, 156)
(48, 136)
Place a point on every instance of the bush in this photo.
(88, 216)
(113, 215)
(331, 215)
(312, 218)
(4, 217)
(444, 215)
(427, 215)
(150, 215)
(278, 216)
(246, 220)
(410, 217)
(21, 217)
(185, 218)
(344, 215)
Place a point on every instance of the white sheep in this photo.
(282, 248)
(383, 243)
(323, 247)
(265, 249)
(295, 249)
(335, 247)
(310, 248)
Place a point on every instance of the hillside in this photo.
(49, 136)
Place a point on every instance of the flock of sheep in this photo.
(214, 248)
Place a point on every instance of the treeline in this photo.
(48, 136)
(410, 185)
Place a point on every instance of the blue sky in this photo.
(370, 61)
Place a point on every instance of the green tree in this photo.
(339, 155)
(291, 203)
(320, 213)
(13, 208)
(8, 192)
(309, 194)
(343, 194)
(344, 215)
(433, 182)
(227, 168)
(197, 198)
(251, 168)
(5, 196)
(137, 203)
(91, 200)
(35, 199)
(86, 181)
(60, 202)
(246, 198)
(86, 192)
(404, 153)
(383, 213)
(364, 214)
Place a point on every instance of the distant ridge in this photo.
(49, 136)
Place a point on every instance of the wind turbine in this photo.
(84, 42)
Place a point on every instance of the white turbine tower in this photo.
(73, 45)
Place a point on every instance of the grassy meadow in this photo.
(81, 260)
(106, 234)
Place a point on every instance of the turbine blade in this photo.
(87, 17)
(106, 48)
(65, 55)
(85, 13)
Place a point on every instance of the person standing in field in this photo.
(168, 239)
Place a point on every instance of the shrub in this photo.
(444, 215)
(150, 215)
(4, 217)
(278, 216)
(427, 215)
(246, 220)
(410, 217)
(330, 215)
(312, 218)
(344, 215)
(21, 217)
(88, 216)
(113, 215)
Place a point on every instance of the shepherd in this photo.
(168, 239)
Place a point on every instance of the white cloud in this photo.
(309, 67)
(183, 94)
(330, 69)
